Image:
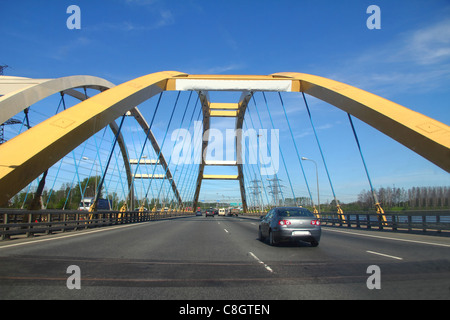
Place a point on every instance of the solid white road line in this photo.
(384, 255)
(81, 233)
(388, 238)
(261, 262)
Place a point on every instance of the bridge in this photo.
(102, 146)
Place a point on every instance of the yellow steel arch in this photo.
(22, 92)
(426, 136)
(18, 93)
(47, 142)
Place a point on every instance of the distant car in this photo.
(198, 213)
(209, 212)
(290, 223)
(233, 212)
(222, 212)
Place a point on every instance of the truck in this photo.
(102, 204)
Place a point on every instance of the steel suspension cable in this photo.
(170, 158)
(321, 153)
(190, 187)
(281, 152)
(176, 139)
(77, 175)
(268, 149)
(375, 198)
(100, 185)
(296, 149)
(145, 141)
(186, 191)
(162, 145)
(135, 187)
(94, 163)
(60, 163)
(257, 163)
(120, 178)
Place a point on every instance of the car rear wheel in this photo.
(260, 236)
(314, 243)
(272, 240)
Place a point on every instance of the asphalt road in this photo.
(220, 258)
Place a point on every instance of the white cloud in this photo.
(141, 2)
(164, 18)
(309, 131)
(430, 45)
(157, 16)
(415, 61)
(217, 69)
(62, 51)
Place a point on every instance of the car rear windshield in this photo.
(294, 212)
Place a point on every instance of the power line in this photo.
(2, 128)
(275, 189)
(2, 68)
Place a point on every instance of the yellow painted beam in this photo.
(220, 176)
(223, 106)
(144, 161)
(149, 176)
(220, 163)
(223, 113)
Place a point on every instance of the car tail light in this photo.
(284, 223)
(315, 222)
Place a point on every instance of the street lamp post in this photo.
(96, 172)
(317, 177)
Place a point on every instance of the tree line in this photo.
(391, 198)
(415, 198)
(68, 197)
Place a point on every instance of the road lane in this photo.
(161, 257)
(221, 258)
(343, 257)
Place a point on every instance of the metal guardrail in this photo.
(430, 220)
(425, 221)
(29, 223)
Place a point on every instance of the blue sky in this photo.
(406, 61)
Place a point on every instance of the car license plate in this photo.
(301, 233)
